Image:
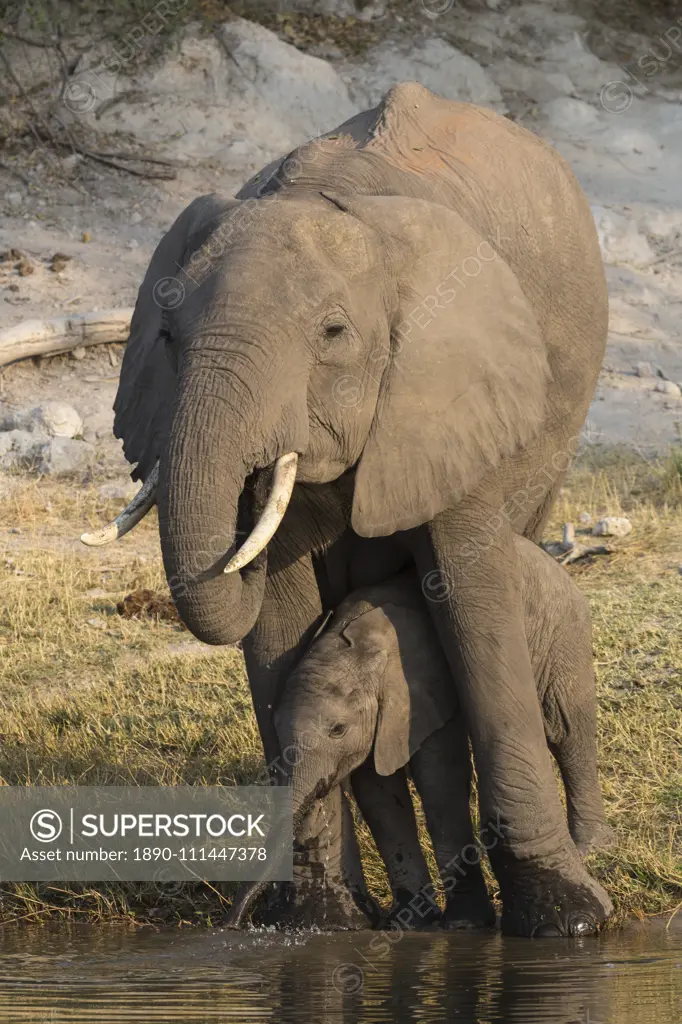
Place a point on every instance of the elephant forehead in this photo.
(303, 234)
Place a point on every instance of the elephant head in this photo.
(343, 333)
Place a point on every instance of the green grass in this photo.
(90, 698)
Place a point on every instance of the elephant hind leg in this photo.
(571, 721)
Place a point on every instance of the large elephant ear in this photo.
(465, 381)
(416, 695)
(143, 404)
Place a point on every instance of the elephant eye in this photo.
(338, 730)
(333, 330)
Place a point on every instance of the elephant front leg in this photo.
(386, 806)
(328, 886)
(441, 770)
(472, 582)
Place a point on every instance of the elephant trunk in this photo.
(249, 894)
(202, 478)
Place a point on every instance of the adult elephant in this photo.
(415, 306)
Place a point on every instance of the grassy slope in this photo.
(88, 697)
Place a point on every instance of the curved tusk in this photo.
(129, 517)
(283, 481)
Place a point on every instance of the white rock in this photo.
(56, 419)
(668, 387)
(644, 370)
(624, 141)
(620, 239)
(97, 623)
(19, 449)
(16, 440)
(63, 456)
(567, 116)
(245, 86)
(538, 85)
(612, 526)
(433, 63)
(70, 163)
(366, 10)
(119, 490)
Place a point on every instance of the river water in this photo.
(107, 975)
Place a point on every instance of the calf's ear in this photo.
(417, 694)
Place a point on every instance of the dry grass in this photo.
(89, 697)
(636, 600)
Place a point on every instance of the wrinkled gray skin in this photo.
(376, 681)
(416, 305)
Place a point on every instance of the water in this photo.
(104, 975)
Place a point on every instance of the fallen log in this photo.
(63, 333)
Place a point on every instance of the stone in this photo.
(620, 239)
(433, 63)
(612, 526)
(272, 97)
(644, 370)
(70, 163)
(365, 10)
(19, 449)
(56, 419)
(119, 490)
(668, 387)
(97, 623)
(568, 116)
(538, 85)
(63, 456)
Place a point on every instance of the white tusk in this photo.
(48, 337)
(129, 517)
(283, 480)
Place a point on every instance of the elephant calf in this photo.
(375, 680)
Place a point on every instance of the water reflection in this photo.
(61, 976)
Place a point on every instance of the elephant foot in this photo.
(410, 911)
(468, 906)
(327, 905)
(548, 903)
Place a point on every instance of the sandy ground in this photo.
(222, 103)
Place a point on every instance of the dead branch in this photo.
(63, 333)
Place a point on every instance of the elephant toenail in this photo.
(547, 931)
